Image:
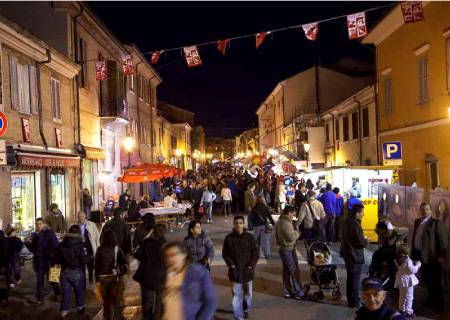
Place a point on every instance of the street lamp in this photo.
(179, 154)
(306, 147)
(129, 144)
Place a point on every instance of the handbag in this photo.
(54, 273)
(201, 210)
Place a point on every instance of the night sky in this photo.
(225, 92)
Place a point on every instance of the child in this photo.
(15, 246)
(406, 279)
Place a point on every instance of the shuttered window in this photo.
(13, 82)
(23, 86)
(423, 79)
(387, 96)
(355, 125)
(56, 99)
(336, 126)
(34, 92)
(346, 128)
(366, 123)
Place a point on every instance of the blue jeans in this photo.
(242, 298)
(227, 207)
(262, 238)
(291, 273)
(72, 278)
(208, 210)
(41, 275)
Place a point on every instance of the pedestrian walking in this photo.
(261, 221)
(250, 198)
(197, 194)
(207, 200)
(353, 200)
(124, 200)
(199, 247)
(72, 256)
(227, 198)
(121, 229)
(87, 203)
(352, 251)
(286, 236)
(188, 290)
(43, 244)
(375, 307)
(339, 214)
(151, 271)
(329, 202)
(55, 219)
(90, 237)
(406, 279)
(429, 243)
(280, 196)
(241, 256)
(311, 213)
(110, 267)
(143, 230)
(14, 245)
(301, 195)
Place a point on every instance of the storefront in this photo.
(91, 175)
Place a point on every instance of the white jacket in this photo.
(406, 274)
(226, 194)
(94, 235)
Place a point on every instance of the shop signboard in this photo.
(370, 218)
(392, 153)
(3, 123)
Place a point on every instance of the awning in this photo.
(148, 172)
(40, 160)
(95, 153)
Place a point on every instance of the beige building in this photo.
(37, 96)
(247, 142)
(350, 131)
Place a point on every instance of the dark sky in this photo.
(226, 91)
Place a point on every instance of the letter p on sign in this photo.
(391, 149)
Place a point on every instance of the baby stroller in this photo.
(322, 273)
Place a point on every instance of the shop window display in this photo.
(23, 194)
(58, 190)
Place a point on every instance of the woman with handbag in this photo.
(110, 266)
(72, 256)
(311, 212)
(260, 219)
(199, 247)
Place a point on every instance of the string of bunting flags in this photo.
(412, 11)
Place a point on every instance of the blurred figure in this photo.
(207, 200)
(353, 200)
(339, 214)
(227, 198)
(250, 198)
(241, 256)
(87, 203)
(310, 215)
(124, 200)
(170, 200)
(143, 230)
(199, 247)
(197, 194)
(188, 290)
(90, 236)
(301, 195)
(121, 229)
(55, 219)
(14, 245)
(280, 197)
(259, 218)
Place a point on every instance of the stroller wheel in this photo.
(336, 294)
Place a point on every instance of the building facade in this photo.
(247, 142)
(413, 75)
(219, 148)
(38, 97)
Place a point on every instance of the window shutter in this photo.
(34, 92)
(24, 88)
(13, 82)
(58, 99)
(423, 79)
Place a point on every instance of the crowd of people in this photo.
(174, 277)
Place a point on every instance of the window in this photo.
(346, 128)
(423, 79)
(433, 168)
(366, 123)
(84, 63)
(447, 42)
(355, 125)
(336, 127)
(56, 99)
(387, 96)
(23, 86)
(327, 132)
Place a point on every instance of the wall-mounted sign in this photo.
(392, 153)
(25, 130)
(58, 138)
(3, 123)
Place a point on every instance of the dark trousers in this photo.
(148, 301)
(41, 274)
(196, 213)
(291, 279)
(432, 276)
(328, 228)
(339, 223)
(308, 234)
(353, 281)
(72, 278)
(111, 290)
(15, 270)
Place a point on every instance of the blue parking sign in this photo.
(392, 153)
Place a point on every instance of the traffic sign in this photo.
(3, 123)
(392, 153)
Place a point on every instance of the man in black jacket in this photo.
(241, 255)
(121, 229)
(300, 196)
(352, 250)
(196, 195)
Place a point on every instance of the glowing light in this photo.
(128, 144)
(307, 146)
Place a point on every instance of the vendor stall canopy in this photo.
(146, 172)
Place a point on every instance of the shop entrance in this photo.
(24, 202)
(58, 189)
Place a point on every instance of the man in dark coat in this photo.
(196, 195)
(241, 255)
(301, 195)
(352, 250)
(121, 229)
(43, 244)
(429, 246)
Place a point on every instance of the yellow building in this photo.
(413, 71)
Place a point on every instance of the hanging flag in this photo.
(155, 57)
(222, 45)
(260, 38)
(356, 25)
(311, 30)
(101, 73)
(127, 65)
(192, 56)
(412, 11)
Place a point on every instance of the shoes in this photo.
(298, 297)
(288, 296)
(12, 285)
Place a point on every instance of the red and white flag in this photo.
(260, 38)
(155, 57)
(412, 11)
(222, 45)
(311, 30)
(127, 65)
(192, 56)
(101, 72)
(356, 25)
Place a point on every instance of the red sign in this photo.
(412, 11)
(58, 138)
(3, 123)
(42, 161)
(26, 130)
(192, 56)
(356, 25)
(311, 30)
(101, 73)
(127, 65)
